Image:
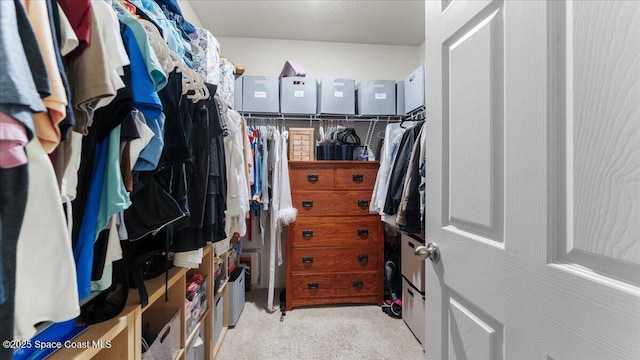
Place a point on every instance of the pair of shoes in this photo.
(393, 308)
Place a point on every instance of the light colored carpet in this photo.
(325, 332)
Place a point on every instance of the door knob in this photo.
(430, 251)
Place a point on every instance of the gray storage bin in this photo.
(376, 97)
(336, 96)
(237, 95)
(260, 94)
(400, 98)
(298, 95)
(414, 89)
(236, 295)
(217, 319)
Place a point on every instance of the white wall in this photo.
(322, 59)
(421, 53)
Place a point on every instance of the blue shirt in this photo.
(145, 96)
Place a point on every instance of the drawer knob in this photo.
(312, 177)
(307, 203)
(358, 284)
(363, 258)
(363, 232)
(357, 177)
(307, 259)
(363, 203)
(307, 233)
(313, 286)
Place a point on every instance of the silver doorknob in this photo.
(430, 251)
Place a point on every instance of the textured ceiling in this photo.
(391, 22)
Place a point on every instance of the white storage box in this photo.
(236, 295)
(166, 346)
(414, 89)
(260, 94)
(412, 267)
(237, 95)
(413, 310)
(298, 95)
(376, 97)
(336, 96)
(400, 98)
(217, 319)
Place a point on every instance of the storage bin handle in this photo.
(363, 258)
(357, 177)
(363, 203)
(307, 259)
(307, 203)
(410, 244)
(307, 233)
(313, 286)
(312, 177)
(358, 284)
(363, 232)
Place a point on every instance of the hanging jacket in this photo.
(399, 170)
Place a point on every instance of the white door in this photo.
(533, 179)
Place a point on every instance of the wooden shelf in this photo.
(103, 333)
(156, 287)
(123, 333)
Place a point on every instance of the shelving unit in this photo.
(124, 332)
(417, 114)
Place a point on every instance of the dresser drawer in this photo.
(314, 203)
(358, 283)
(335, 231)
(355, 178)
(313, 285)
(334, 259)
(311, 179)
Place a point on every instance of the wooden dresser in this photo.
(335, 247)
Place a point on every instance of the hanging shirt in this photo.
(47, 124)
(44, 253)
(154, 66)
(145, 97)
(13, 139)
(116, 57)
(90, 78)
(68, 38)
(79, 14)
(170, 32)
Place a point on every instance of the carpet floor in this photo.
(322, 332)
